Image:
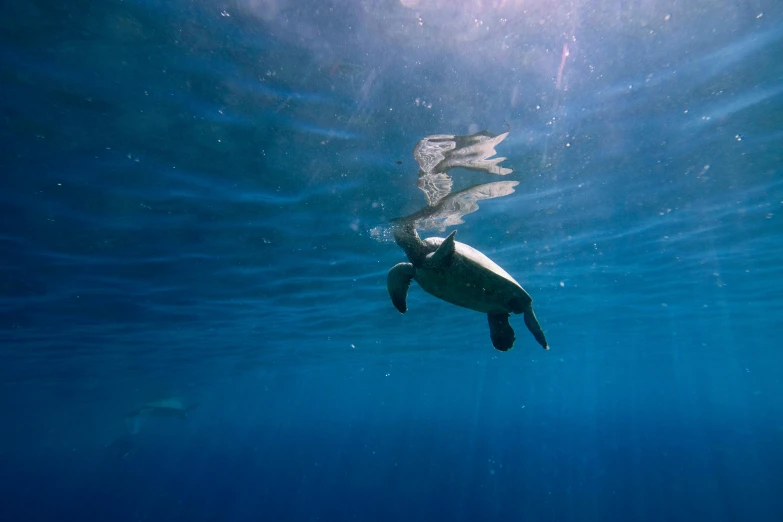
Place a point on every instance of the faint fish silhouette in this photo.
(172, 407)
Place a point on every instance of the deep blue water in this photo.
(196, 200)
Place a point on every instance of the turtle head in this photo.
(408, 239)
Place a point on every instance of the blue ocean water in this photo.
(195, 236)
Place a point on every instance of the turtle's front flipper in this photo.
(397, 282)
(500, 332)
(532, 324)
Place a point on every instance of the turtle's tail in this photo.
(531, 321)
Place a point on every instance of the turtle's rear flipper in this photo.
(532, 324)
(500, 332)
(397, 283)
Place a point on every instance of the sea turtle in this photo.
(461, 275)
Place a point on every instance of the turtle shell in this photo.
(471, 280)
